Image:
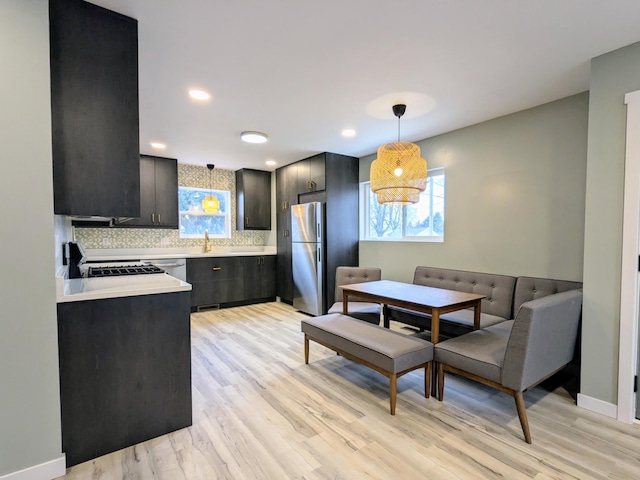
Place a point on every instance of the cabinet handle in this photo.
(153, 218)
(246, 221)
(159, 221)
(215, 269)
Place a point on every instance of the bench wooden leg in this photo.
(522, 414)
(440, 381)
(427, 379)
(392, 392)
(306, 349)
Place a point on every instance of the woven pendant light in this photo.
(399, 174)
(210, 203)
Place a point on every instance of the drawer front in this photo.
(213, 268)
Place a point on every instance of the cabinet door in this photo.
(317, 172)
(94, 110)
(311, 173)
(147, 194)
(158, 193)
(215, 280)
(166, 192)
(286, 194)
(260, 273)
(253, 200)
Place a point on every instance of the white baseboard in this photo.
(44, 471)
(595, 405)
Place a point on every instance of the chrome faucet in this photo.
(207, 242)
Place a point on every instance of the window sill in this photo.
(406, 240)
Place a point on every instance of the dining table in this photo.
(430, 300)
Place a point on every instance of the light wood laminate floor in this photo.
(261, 413)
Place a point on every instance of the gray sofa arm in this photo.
(542, 339)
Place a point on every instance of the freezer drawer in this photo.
(307, 277)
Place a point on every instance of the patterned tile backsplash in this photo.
(188, 176)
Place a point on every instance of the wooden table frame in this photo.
(429, 300)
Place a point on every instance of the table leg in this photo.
(435, 333)
(385, 315)
(476, 315)
(345, 303)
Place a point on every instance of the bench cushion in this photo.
(498, 289)
(392, 351)
(480, 352)
(530, 288)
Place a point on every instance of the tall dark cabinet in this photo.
(330, 178)
(94, 110)
(253, 199)
(158, 193)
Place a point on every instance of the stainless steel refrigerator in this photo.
(307, 252)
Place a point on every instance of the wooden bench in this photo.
(390, 353)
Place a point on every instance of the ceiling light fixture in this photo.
(349, 132)
(253, 137)
(210, 203)
(158, 145)
(199, 95)
(399, 174)
(270, 162)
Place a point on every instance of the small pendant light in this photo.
(210, 204)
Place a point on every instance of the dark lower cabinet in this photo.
(230, 281)
(260, 276)
(125, 372)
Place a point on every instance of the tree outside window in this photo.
(423, 221)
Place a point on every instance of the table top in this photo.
(411, 293)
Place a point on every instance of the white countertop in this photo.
(134, 254)
(80, 289)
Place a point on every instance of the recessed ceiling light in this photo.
(270, 162)
(253, 137)
(349, 132)
(199, 95)
(158, 145)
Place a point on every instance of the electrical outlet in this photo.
(106, 242)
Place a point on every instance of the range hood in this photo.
(95, 221)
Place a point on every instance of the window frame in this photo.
(226, 215)
(364, 217)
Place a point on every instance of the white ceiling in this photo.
(303, 70)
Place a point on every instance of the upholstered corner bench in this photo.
(390, 353)
(504, 295)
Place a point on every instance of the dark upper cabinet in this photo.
(311, 174)
(94, 110)
(158, 193)
(286, 195)
(253, 199)
(338, 189)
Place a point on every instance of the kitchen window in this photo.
(420, 222)
(193, 218)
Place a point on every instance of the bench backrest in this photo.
(530, 288)
(498, 289)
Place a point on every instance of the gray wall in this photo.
(29, 398)
(612, 75)
(515, 190)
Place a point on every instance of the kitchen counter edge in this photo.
(82, 289)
